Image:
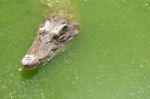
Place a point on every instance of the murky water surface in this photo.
(110, 58)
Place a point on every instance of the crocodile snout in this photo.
(29, 60)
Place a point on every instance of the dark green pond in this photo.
(110, 58)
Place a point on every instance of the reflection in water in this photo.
(59, 3)
(53, 7)
(28, 74)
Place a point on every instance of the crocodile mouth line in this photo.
(51, 37)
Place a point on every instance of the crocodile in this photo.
(52, 35)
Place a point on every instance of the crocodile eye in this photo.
(63, 22)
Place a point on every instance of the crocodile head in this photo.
(51, 37)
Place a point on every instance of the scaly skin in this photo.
(51, 37)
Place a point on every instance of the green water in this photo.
(110, 58)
